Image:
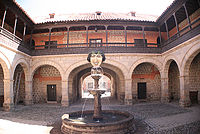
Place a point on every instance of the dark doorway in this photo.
(51, 92)
(194, 97)
(142, 91)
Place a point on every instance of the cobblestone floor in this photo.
(150, 118)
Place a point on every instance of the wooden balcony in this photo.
(114, 47)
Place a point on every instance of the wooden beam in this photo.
(125, 30)
(49, 37)
(15, 26)
(188, 18)
(167, 30)
(68, 36)
(4, 17)
(24, 33)
(177, 28)
(106, 28)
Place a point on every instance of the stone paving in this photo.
(150, 117)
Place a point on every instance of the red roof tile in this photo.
(94, 16)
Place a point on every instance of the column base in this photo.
(65, 103)
(28, 102)
(165, 100)
(128, 102)
(8, 106)
(185, 103)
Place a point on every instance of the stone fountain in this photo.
(98, 121)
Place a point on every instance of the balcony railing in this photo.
(10, 35)
(13, 41)
(82, 48)
(114, 47)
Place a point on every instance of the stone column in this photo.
(65, 94)
(28, 92)
(128, 92)
(184, 91)
(8, 95)
(112, 87)
(199, 96)
(164, 90)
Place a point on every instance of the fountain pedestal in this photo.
(97, 103)
(97, 121)
(96, 74)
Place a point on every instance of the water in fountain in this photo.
(83, 107)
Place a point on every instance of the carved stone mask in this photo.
(96, 60)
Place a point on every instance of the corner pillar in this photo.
(199, 97)
(28, 93)
(65, 94)
(164, 90)
(8, 104)
(128, 92)
(184, 91)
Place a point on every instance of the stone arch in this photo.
(167, 63)
(144, 60)
(7, 81)
(6, 66)
(191, 82)
(78, 67)
(51, 63)
(108, 61)
(46, 82)
(188, 58)
(146, 81)
(84, 76)
(24, 65)
(21, 67)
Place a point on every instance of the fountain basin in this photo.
(114, 122)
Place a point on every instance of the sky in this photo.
(36, 8)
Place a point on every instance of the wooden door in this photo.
(142, 91)
(51, 92)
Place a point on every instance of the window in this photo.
(95, 42)
(139, 41)
(52, 44)
(90, 85)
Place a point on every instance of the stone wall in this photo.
(195, 74)
(174, 82)
(1, 81)
(148, 73)
(21, 93)
(46, 75)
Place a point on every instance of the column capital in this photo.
(184, 76)
(106, 26)
(165, 78)
(128, 79)
(8, 80)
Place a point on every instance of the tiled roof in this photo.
(94, 16)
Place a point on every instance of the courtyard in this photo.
(150, 117)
